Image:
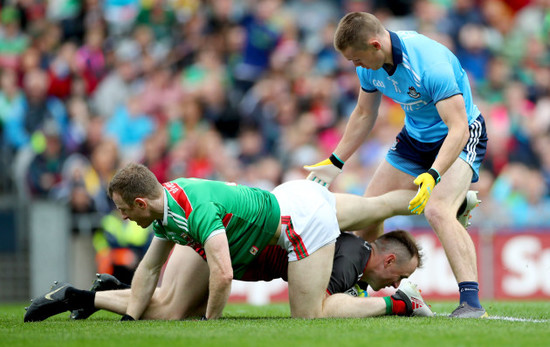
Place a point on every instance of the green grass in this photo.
(245, 325)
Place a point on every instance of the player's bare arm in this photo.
(221, 274)
(146, 276)
(453, 113)
(360, 124)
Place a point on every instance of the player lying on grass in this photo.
(380, 264)
(234, 224)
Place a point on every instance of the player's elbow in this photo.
(223, 276)
(226, 277)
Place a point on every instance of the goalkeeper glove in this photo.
(326, 171)
(426, 183)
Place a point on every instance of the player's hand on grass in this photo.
(426, 183)
(325, 171)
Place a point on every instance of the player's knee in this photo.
(436, 213)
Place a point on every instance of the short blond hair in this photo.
(135, 181)
(355, 29)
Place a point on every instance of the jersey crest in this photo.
(413, 93)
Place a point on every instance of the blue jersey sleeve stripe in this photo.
(369, 91)
(446, 97)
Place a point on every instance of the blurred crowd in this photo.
(249, 91)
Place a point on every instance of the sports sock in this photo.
(395, 306)
(78, 299)
(462, 208)
(469, 293)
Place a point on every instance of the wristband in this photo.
(126, 317)
(339, 163)
(435, 174)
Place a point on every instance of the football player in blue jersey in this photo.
(440, 147)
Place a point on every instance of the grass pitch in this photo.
(511, 324)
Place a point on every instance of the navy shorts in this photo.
(415, 157)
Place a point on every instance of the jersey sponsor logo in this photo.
(413, 93)
(378, 83)
(179, 195)
(253, 250)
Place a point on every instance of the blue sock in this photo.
(469, 293)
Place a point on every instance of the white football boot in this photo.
(409, 293)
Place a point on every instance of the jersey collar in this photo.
(397, 54)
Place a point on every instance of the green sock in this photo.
(389, 305)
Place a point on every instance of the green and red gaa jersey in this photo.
(197, 209)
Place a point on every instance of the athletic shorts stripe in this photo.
(295, 239)
(475, 133)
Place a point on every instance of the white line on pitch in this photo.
(510, 319)
(517, 319)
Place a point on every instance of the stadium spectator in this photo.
(68, 13)
(104, 161)
(79, 120)
(129, 127)
(498, 74)
(47, 39)
(443, 137)
(120, 15)
(92, 17)
(474, 54)
(261, 39)
(13, 41)
(521, 194)
(462, 12)
(160, 17)
(90, 61)
(161, 89)
(61, 71)
(119, 83)
(31, 112)
(10, 95)
(155, 154)
(44, 172)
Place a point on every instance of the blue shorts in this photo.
(415, 157)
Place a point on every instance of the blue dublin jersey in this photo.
(424, 72)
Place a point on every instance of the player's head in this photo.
(132, 189)
(359, 38)
(400, 257)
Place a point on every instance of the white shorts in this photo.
(308, 217)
